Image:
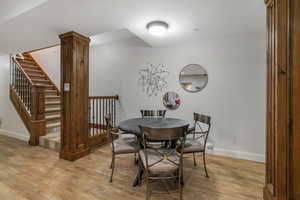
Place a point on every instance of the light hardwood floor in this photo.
(36, 173)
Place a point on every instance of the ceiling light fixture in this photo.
(157, 28)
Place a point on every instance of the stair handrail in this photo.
(36, 90)
(104, 97)
(29, 104)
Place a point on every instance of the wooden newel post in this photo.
(37, 114)
(74, 95)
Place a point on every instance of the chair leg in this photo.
(112, 167)
(180, 184)
(180, 191)
(111, 163)
(135, 159)
(147, 190)
(206, 174)
(195, 164)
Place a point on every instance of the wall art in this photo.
(152, 78)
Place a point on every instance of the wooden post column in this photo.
(74, 95)
(38, 123)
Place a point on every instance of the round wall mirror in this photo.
(193, 78)
(171, 100)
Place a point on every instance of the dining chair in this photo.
(122, 145)
(162, 163)
(153, 113)
(196, 140)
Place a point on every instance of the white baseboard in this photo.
(216, 151)
(238, 154)
(19, 136)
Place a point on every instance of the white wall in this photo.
(11, 122)
(49, 59)
(234, 97)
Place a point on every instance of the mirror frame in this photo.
(190, 90)
(163, 97)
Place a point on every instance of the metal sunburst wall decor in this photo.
(153, 79)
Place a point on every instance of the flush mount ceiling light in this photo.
(157, 28)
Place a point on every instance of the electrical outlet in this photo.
(210, 146)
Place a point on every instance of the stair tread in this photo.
(52, 109)
(51, 97)
(37, 75)
(52, 125)
(27, 60)
(51, 117)
(40, 80)
(29, 67)
(33, 70)
(52, 103)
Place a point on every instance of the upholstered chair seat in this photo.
(193, 144)
(126, 145)
(158, 163)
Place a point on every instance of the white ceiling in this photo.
(188, 19)
(12, 8)
(122, 37)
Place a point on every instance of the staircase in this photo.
(38, 103)
(52, 104)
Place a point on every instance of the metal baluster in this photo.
(106, 107)
(15, 72)
(27, 95)
(18, 81)
(100, 116)
(98, 122)
(114, 102)
(93, 117)
(22, 88)
(103, 114)
(109, 108)
(89, 116)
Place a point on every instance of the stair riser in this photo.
(50, 99)
(53, 129)
(32, 72)
(25, 61)
(37, 76)
(47, 106)
(57, 120)
(52, 112)
(32, 67)
(41, 81)
(53, 120)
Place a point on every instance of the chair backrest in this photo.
(159, 134)
(163, 154)
(108, 120)
(153, 113)
(204, 119)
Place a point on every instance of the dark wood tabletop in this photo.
(132, 125)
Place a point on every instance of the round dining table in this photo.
(133, 126)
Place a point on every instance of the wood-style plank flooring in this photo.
(35, 173)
